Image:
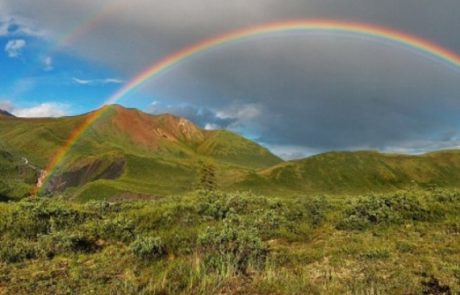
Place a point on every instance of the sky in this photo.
(296, 93)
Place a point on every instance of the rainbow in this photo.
(360, 29)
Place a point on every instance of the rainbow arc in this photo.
(330, 26)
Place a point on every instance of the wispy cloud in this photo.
(14, 47)
(94, 82)
(48, 63)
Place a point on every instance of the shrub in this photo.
(148, 247)
(233, 247)
(64, 242)
(17, 250)
(100, 207)
(268, 222)
(213, 205)
(385, 209)
(446, 196)
(118, 228)
(34, 217)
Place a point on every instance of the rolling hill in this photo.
(362, 171)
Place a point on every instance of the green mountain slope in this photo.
(130, 151)
(339, 172)
(241, 151)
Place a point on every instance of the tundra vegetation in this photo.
(212, 242)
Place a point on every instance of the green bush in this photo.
(446, 196)
(233, 247)
(148, 247)
(118, 228)
(34, 217)
(385, 209)
(213, 205)
(316, 209)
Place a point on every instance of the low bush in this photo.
(34, 217)
(17, 250)
(385, 209)
(232, 247)
(118, 228)
(148, 247)
(65, 242)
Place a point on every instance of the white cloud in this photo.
(14, 47)
(211, 126)
(291, 152)
(240, 116)
(47, 109)
(241, 112)
(93, 82)
(17, 26)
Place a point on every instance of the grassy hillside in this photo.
(130, 153)
(138, 152)
(339, 172)
(219, 243)
(241, 151)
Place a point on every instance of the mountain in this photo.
(128, 151)
(4, 113)
(358, 172)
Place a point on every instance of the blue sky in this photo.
(298, 94)
(33, 74)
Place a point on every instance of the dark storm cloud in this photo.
(317, 92)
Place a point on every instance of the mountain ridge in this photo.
(127, 151)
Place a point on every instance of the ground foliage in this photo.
(211, 242)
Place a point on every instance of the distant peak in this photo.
(4, 113)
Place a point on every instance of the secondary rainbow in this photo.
(88, 24)
(360, 29)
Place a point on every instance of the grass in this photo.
(234, 243)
